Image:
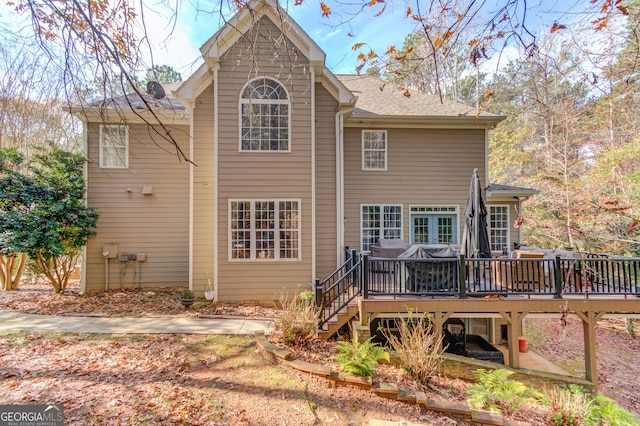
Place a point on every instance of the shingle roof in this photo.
(499, 187)
(376, 97)
(169, 102)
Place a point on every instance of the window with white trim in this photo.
(265, 116)
(114, 147)
(380, 221)
(374, 150)
(499, 227)
(264, 229)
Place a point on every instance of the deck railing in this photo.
(339, 288)
(554, 277)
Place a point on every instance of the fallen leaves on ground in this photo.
(178, 379)
(158, 301)
(617, 354)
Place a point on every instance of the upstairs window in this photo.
(374, 150)
(114, 147)
(265, 116)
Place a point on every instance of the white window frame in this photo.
(258, 101)
(382, 228)
(253, 230)
(367, 167)
(506, 229)
(102, 162)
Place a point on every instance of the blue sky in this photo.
(333, 36)
(178, 46)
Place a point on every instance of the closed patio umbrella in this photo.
(475, 239)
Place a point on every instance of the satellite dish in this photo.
(155, 89)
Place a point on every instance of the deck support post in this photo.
(513, 334)
(589, 320)
(438, 319)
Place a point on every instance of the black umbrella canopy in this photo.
(475, 239)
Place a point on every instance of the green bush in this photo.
(605, 411)
(497, 393)
(360, 358)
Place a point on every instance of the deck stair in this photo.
(336, 296)
(339, 319)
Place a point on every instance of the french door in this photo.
(434, 229)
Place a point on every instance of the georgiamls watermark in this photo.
(32, 415)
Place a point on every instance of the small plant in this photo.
(419, 350)
(605, 411)
(360, 359)
(497, 393)
(570, 406)
(187, 294)
(298, 322)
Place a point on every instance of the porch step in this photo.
(345, 315)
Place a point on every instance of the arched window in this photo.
(264, 116)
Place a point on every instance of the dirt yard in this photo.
(174, 379)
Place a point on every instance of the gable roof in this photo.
(238, 26)
(379, 99)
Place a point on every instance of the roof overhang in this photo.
(191, 88)
(427, 122)
(142, 116)
(243, 22)
(511, 195)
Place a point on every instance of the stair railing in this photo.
(337, 290)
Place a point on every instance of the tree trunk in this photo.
(9, 280)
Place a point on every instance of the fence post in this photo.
(365, 276)
(318, 293)
(558, 278)
(353, 263)
(462, 277)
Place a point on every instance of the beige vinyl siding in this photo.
(156, 225)
(266, 175)
(425, 167)
(326, 108)
(203, 189)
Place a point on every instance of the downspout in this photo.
(313, 174)
(191, 183)
(340, 183)
(85, 177)
(215, 181)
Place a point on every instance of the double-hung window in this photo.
(264, 229)
(380, 221)
(374, 150)
(499, 227)
(265, 116)
(114, 146)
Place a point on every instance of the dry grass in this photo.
(417, 347)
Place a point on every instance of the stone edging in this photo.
(455, 410)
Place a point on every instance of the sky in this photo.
(176, 42)
(334, 37)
